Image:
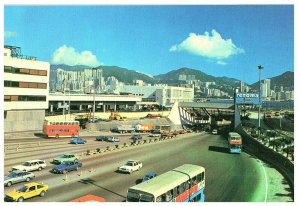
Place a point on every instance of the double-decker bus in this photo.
(185, 183)
(234, 142)
(61, 128)
(89, 198)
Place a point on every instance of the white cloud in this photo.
(9, 34)
(213, 47)
(221, 62)
(68, 55)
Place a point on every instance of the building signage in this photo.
(247, 98)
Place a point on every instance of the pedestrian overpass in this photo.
(192, 113)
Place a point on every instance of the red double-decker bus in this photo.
(89, 198)
(59, 129)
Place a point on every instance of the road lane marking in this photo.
(266, 178)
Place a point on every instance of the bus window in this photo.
(198, 178)
(181, 188)
(169, 196)
(194, 181)
(202, 175)
(159, 199)
(133, 196)
(175, 191)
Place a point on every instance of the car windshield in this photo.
(11, 174)
(66, 156)
(129, 164)
(26, 164)
(147, 178)
(22, 189)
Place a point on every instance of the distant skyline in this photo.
(228, 40)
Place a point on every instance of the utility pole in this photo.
(260, 67)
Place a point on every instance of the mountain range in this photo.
(172, 78)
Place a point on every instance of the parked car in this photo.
(27, 191)
(113, 139)
(93, 120)
(215, 131)
(149, 176)
(66, 158)
(136, 137)
(102, 138)
(66, 167)
(31, 165)
(130, 166)
(16, 176)
(77, 140)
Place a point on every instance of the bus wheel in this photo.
(56, 136)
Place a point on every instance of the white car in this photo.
(130, 166)
(214, 131)
(154, 135)
(31, 165)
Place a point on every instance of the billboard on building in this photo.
(247, 98)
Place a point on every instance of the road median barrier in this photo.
(80, 174)
(66, 179)
(280, 162)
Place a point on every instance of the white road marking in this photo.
(266, 178)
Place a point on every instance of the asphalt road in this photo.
(229, 177)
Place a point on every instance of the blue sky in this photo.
(218, 40)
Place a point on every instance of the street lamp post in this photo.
(94, 105)
(260, 67)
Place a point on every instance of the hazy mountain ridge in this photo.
(172, 77)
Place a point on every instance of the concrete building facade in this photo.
(26, 83)
(162, 94)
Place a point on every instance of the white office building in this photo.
(26, 83)
(162, 94)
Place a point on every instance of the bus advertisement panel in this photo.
(182, 184)
(61, 128)
(234, 142)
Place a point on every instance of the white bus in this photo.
(182, 184)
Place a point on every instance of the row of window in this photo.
(25, 84)
(59, 130)
(15, 70)
(168, 196)
(64, 123)
(12, 98)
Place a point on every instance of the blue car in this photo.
(77, 141)
(149, 176)
(66, 167)
(136, 137)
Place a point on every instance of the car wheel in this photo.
(42, 194)
(27, 179)
(9, 184)
(21, 199)
(39, 168)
